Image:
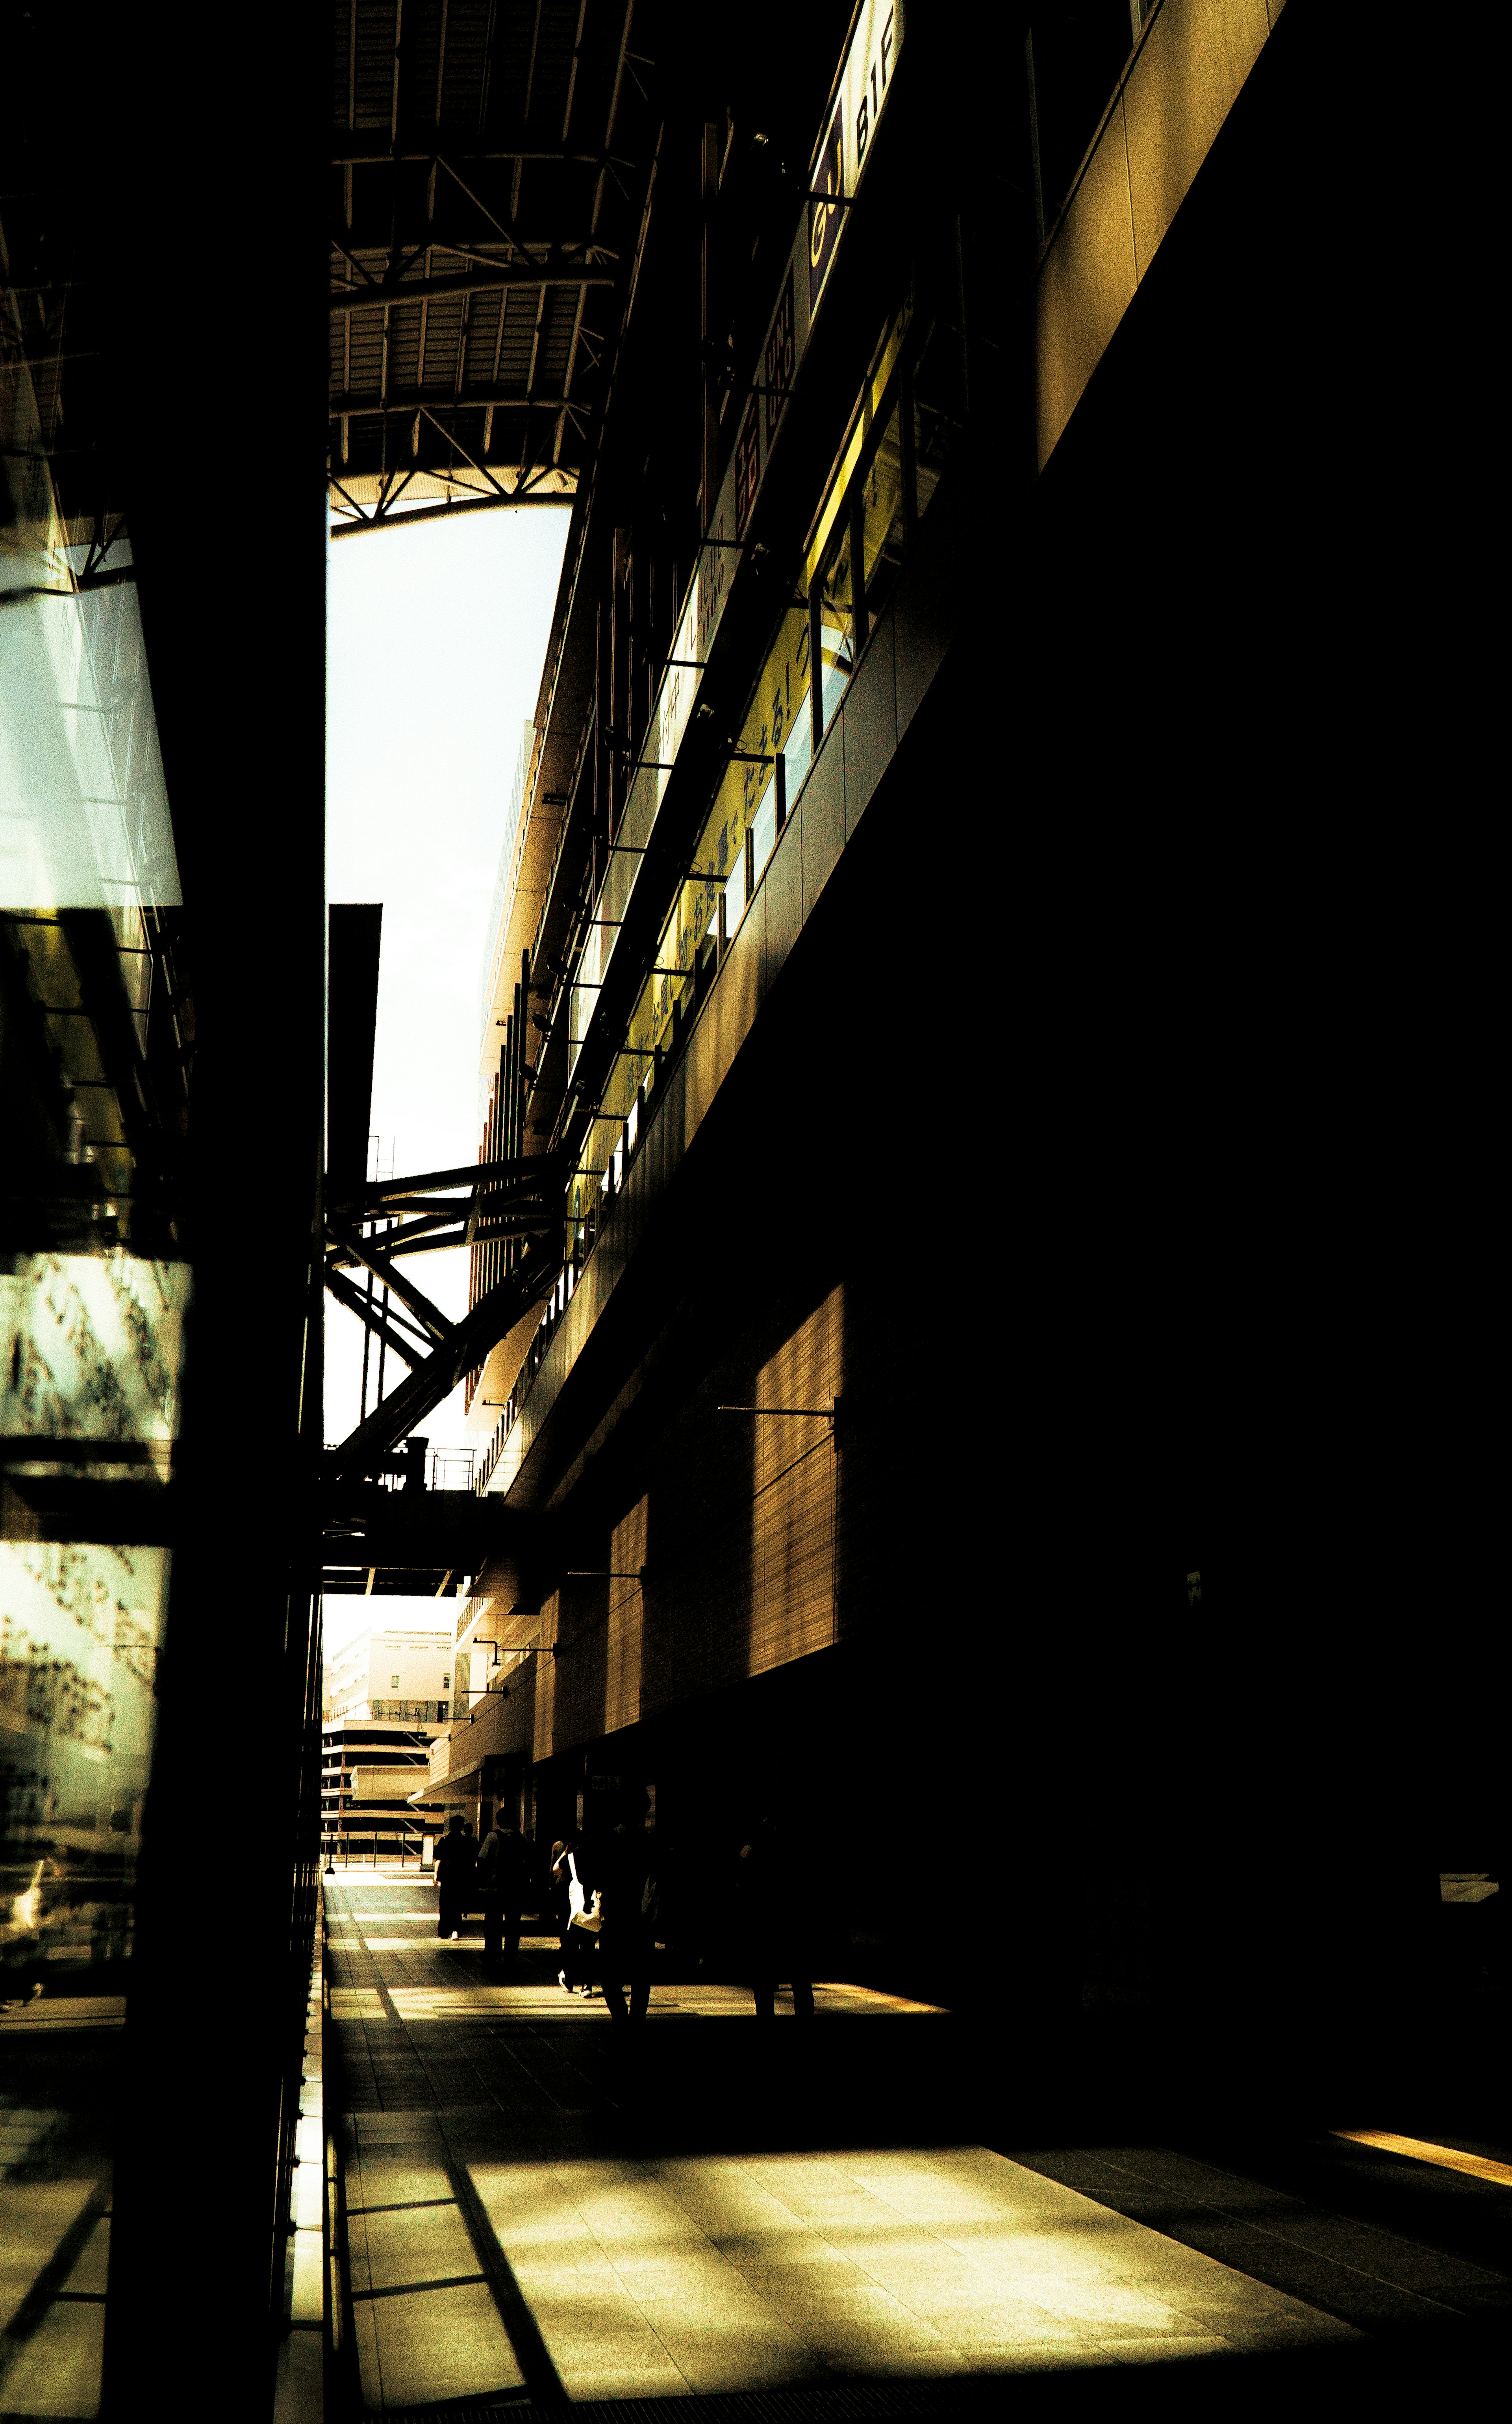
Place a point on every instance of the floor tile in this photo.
(394, 2178)
(441, 2344)
(1109, 2306)
(738, 2356)
(1163, 2351)
(430, 2245)
(57, 2371)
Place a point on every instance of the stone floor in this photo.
(531, 2210)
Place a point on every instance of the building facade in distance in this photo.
(387, 1692)
(391, 1671)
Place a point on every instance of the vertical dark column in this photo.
(214, 2036)
(708, 328)
(619, 678)
(603, 721)
(500, 1262)
(649, 642)
(506, 1124)
(524, 997)
(495, 1267)
(355, 937)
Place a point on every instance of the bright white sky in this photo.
(435, 642)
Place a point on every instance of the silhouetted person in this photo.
(630, 1889)
(455, 1860)
(503, 1877)
(569, 1883)
(778, 1924)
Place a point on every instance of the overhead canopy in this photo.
(488, 175)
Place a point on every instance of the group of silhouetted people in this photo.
(495, 1876)
(611, 1896)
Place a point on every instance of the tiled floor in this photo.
(514, 2227)
(55, 2371)
(647, 2275)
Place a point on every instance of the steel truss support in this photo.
(491, 1318)
(536, 1175)
(471, 505)
(467, 282)
(373, 1256)
(408, 401)
(412, 1351)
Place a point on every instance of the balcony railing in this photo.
(444, 1468)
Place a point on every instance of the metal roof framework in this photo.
(489, 161)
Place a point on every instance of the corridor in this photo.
(528, 2217)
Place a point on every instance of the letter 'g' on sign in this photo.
(824, 217)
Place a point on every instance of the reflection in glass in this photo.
(97, 1043)
(764, 829)
(837, 625)
(86, 820)
(881, 514)
(939, 407)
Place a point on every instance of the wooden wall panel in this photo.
(626, 1620)
(792, 1506)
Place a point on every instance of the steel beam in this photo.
(440, 1230)
(368, 146)
(433, 513)
(412, 400)
(470, 281)
(491, 1318)
(531, 1174)
(366, 1251)
(355, 1301)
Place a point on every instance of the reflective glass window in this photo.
(836, 623)
(939, 397)
(882, 516)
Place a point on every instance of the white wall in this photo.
(364, 1669)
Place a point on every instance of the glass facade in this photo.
(103, 983)
(96, 1052)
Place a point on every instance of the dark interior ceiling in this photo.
(488, 176)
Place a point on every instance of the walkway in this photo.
(743, 2213)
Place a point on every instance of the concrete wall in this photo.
(1177, 90)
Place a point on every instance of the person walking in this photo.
(455, 1858)
(570, 1877)
(778, 1921)
(630, 1897)
(503, 1875)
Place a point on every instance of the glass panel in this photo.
(97, 1035)
(735, 899)
(882, 501)
(939, 407)
(836, 644)
(764, 829)
(797, 743)
(888, 354)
